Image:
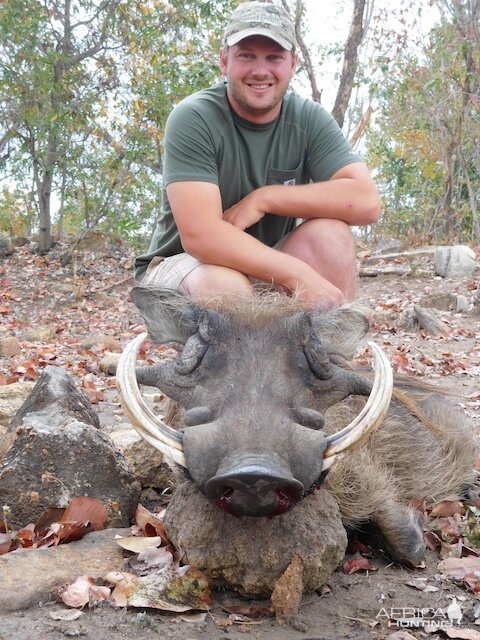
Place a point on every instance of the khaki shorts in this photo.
(170, 272)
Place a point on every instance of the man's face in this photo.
(258, 72)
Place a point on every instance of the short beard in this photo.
(245, 104)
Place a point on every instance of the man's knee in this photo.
(321, 238)
(209, 281)
(327, 230)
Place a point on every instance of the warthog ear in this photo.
(340, 330)
(169, 315)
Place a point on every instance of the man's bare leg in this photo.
(329, 248)
(209, 282)
(325, 245)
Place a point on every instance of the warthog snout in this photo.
(254, 490)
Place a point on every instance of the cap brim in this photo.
(235, 38)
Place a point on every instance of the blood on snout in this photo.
(286, 498)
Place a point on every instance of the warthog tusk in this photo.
(148, 425)
(369, 418)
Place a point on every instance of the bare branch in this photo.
(350, 62)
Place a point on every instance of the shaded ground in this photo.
(91, 297)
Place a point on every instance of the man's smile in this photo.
(260, 86)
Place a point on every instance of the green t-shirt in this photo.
(205, 141)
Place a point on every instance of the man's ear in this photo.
(294, 64)
(223, 61)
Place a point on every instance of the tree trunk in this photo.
(350, 62)
(45, 227)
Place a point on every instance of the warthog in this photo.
(271, 407)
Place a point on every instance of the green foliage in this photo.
(423, 145)
(85, 90)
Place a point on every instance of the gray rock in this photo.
(48, 568)
(407, 320)
(12, 396)
(146, 463)
(53, 451)
(454, 262)
(43, 465)
(250, 554)
(56, 397)
(6, 246)
(429, 321)
(442, 301)
(445, 302)
(462, 304)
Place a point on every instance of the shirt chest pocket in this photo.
(286, 177)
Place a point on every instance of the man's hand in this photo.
(247, 212)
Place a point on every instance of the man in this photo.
(244, 162)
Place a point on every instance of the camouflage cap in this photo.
(261, 19)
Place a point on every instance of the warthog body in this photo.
(263, 383)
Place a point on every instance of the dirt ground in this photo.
(357, 606)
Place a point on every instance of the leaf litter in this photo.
(452, 534)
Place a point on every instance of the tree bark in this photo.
(350, 62)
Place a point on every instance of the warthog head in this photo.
(254, 378)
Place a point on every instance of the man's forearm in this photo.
(350, 196)
(340, 199)
(223, 244)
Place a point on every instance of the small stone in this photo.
(462, 304)
(407, 320)
(42, 333)
(12, 396)
(101, 340)
(146, 463)
(9, 347)
(6, 246)
(108, 364)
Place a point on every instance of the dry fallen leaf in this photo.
(421, 585)
(136, 544)
(177, 589)
(66, 615)
(458, 568)
(288, 591)
(77, 594)
(156, 557)
(357, 564)
(85, 509)
(151, 524)
(448, 508)
(98, 593)
(6, 543)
